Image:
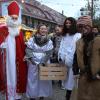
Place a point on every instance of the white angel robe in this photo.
(66, 53)
(36, 87)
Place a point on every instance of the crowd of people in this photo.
(76, 44)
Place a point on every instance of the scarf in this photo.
(41, 40)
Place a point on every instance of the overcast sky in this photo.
(70, 7)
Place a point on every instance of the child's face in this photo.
(43, 30)
(58, 30)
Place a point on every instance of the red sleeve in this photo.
(3, 33)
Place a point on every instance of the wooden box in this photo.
(52, 72)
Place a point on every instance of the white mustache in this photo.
(12, 23)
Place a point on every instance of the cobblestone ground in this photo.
(59, 94)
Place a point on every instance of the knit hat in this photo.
(85, 20)
(13, 8)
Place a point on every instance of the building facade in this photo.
(34, 13)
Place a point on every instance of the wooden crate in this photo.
(52, 72)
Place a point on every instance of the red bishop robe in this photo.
(21, 66)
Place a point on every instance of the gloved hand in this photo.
(98, 76)
(3, 45)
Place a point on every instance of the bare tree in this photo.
(93, 6)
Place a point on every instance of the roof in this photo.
(36, 10)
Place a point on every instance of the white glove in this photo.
(3, 45)
(98, 76)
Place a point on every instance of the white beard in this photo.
(13, 27)
(13, 31)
